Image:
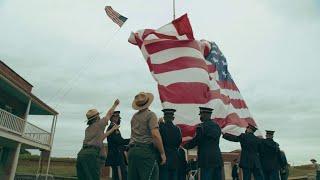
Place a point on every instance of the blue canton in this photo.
(216, 57)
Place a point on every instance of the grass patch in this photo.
(58, 167)
(304, 170)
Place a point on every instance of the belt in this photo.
(90, 147)
(142, 145)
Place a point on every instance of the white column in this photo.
(14, 161)
(27, 110)
(26, 115)
(53, 130)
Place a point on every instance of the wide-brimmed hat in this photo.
(91, 114)
(142, 100)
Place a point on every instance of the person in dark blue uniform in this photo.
(192, 169)
(207, 140)
(116, 147)
(249, 159)
(284, 166)
(171, 138)
(182, 168)
(269, 156)
(235, 167)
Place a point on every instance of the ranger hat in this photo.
(91, 114)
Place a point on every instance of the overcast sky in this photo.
(76, 59)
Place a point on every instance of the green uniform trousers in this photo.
(88, 164)
(143, 163)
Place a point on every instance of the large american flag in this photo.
(190, 74)
(115, 16)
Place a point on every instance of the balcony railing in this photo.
(25, 129)
(11, 122)
(36, 134)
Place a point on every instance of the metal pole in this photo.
(174, 9)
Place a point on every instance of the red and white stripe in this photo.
(187, 81)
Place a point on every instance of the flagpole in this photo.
(174, 9)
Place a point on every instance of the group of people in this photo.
(260, 157)
(155, 151)
(270, 163)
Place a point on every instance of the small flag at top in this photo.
(115, 16)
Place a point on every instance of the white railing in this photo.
(36, 134)
(25, 129)
(11, 122)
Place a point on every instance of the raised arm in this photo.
(195, 140)
(110, 112)
(231, 137)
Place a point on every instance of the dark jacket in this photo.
(171, 139)
(249, 149)
(269, 155)
(182, 169)
(234, 172)
(284, 171)
(116, 148)
(207, 139)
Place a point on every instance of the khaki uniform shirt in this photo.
(94, 134)
(142, 123)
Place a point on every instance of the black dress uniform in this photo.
(192, 169)
(182, 169)
(115, 157)
(234, 173)
(270, 154)
(284, 166)
(207, 140)
(249, 159)
(171, 138)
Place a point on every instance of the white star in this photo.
(224, 74)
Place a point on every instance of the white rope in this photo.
(193, 174)
(150, 175)
(174, 9)
(73, 82)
